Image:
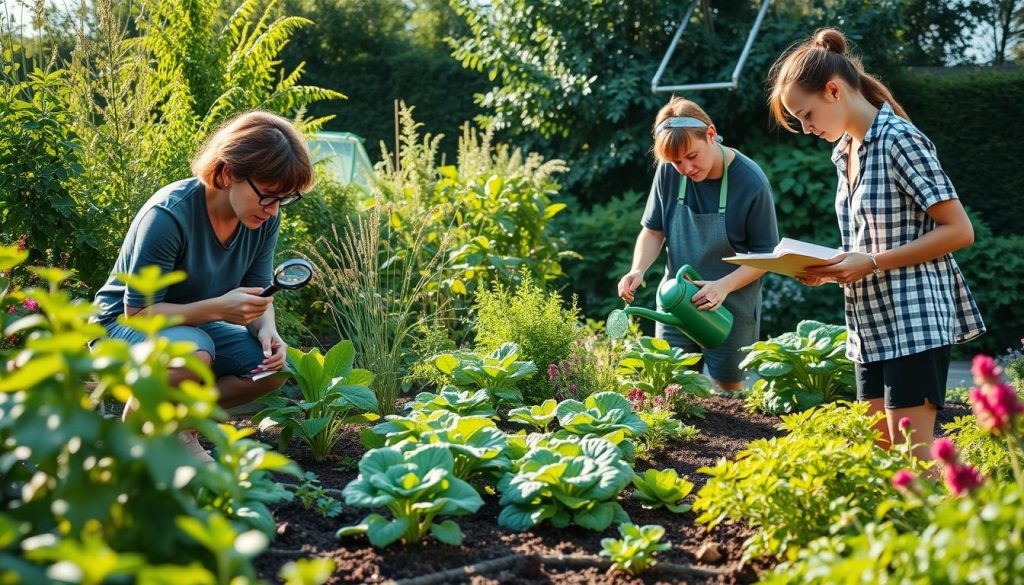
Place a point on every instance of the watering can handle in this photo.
(687, 272)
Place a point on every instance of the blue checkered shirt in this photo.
(915, 308)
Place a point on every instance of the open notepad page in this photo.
(790, 246)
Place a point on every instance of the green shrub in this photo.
(977, 447)
(604, 236)
(492, 210)
(965, 540)
(795, 488)
(545, 331)
(91, 487)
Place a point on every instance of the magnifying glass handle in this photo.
(269, 290)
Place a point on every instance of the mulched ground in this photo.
(727, 429)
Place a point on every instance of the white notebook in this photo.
(790, 257)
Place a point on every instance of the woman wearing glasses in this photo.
(220, 227)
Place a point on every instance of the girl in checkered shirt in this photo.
(900, 219)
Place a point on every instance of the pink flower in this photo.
(572, 388)
(659, 401)
(962, 478)
(985, 369)
(995, 406)
(552, 372)
(30, 304)
(904, 423)
(903, 479)
(944, 450)
(671, 390)
(12, 309)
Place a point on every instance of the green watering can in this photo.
(708, 328)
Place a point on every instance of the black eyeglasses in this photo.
(268, 200)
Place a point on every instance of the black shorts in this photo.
(906, 382)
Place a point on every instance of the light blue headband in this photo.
(683, 122)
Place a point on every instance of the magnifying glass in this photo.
(290, 275)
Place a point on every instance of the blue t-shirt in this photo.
(750, 222)
(173, 231)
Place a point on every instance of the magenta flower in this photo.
(962, 478)
(572, 389)
(31, 305)
(552, 372)
(659, 401)
(995, 406)
(903, 479)
(904, 423)
(943, 450)
(671, 390)
(985, 369)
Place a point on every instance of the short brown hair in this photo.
(813, 63)
(261, 146)
(671, 143)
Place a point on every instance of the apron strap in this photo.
(723, 193)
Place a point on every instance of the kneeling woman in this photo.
(707, 202)
(220, 227)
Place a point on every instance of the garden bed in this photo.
(727, 429)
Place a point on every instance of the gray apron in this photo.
(701, 240)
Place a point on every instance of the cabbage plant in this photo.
(634, 552)
(416, 486)
(566, 482)
(498, 372)
(451, 399)
(801, 369)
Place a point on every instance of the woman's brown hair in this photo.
(813, 63)
(671, 143)
(261, 146)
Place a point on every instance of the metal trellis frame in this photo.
(733, 84)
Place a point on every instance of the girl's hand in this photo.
(848, 269)
(711, 295)
(274, 350)
(629, 283)
(809, 280)
(243, 305)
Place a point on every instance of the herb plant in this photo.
(634, 552)
(333, 394)
(662, 488)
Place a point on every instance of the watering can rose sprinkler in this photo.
(707, 328)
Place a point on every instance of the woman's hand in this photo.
(242, 306)
(629, 283)
(809, 280)
(848, 268)
(711, 295)
(275, 350)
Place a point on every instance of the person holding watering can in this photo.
(900, 219)
(707, 202)
(220, 227)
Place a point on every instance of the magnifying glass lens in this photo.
(294, 275)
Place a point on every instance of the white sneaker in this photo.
(190, 441)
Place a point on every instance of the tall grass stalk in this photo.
(377, 291)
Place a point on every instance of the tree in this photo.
(573, 79)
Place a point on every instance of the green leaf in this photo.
(447, 532)
(383, 532)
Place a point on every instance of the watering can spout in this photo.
(662, 317)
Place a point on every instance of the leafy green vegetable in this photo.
(497, 372)
(634, 552)
(662, 488)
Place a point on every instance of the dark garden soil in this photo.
(727, 429)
